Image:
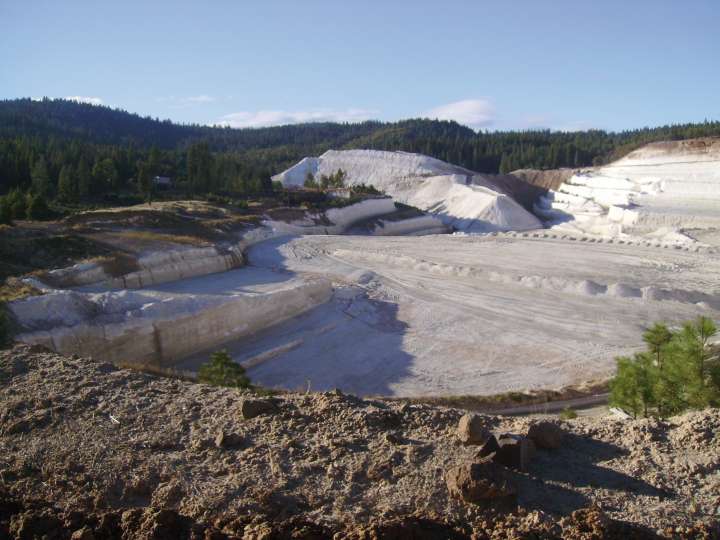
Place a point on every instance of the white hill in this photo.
(462, 198)
(662, 190)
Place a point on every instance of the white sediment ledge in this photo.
(158, 327)
(659, 190)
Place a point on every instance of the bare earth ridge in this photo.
(88, 449)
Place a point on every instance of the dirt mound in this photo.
(96, 452)
(546, 180)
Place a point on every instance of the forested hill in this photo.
(484, 152)
(78, 152)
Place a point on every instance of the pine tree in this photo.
(6, 214)
(84, 179)
(40, 178)
(37, 207)
(18, 206)
(222, 371)
(67, 188)
(145, 182)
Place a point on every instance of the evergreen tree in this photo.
(222, 371)
(67, 187)
(84, 179)
(105, 175)
(6, 213)
(40, 178)
(145, 182)
(16, 199)
(37, 207)
(310, 182)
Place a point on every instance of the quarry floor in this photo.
(454, 315)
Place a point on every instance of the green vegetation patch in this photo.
(680, 370)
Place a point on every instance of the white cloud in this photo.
(475, 113)
(185, 101)
(85, 99)
(244, 119)
(200, 99)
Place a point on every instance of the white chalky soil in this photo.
(447, 315)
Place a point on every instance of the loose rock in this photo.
(546, 435)
(480, 481)
(250, 408)
(471, 429)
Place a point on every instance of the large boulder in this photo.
(546, 435)
(480, 481)
(471, 430)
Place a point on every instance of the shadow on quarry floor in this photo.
(351, 342)
(267, 254)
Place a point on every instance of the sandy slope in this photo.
(445, 315)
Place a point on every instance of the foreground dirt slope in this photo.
(96, 452)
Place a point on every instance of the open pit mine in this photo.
(475, 291)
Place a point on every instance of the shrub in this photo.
(6, 213)
(679, 371)
(567, 414)
(5, 333)
(222, 371)
(37, 208)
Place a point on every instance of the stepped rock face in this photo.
(661, 190)
(462, 198)
(159, 325)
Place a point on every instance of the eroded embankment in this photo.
(158, 327)
(114, 453)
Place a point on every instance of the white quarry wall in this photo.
(460, 198)
(660, 189)
(155, 267)
(153, 328)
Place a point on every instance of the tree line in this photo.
(73, 153)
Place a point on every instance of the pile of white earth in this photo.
(463, 199)
(669, 191)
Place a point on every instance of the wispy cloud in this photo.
(186, 101)
(266, 118)
(85, 99)
(475, 113)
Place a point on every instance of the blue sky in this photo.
(507, 64)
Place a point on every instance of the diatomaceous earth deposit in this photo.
(449, 283)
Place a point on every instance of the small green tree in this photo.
(84, 179)
(18, 204)
(679, 370)
(6, 214)
(310, 182)
(37, 207)
(632, 387)
(145, 182)
(222, 371)
(40, 178)
(67, 187)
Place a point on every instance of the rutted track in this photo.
(443, 315)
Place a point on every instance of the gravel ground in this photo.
(96, 452)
